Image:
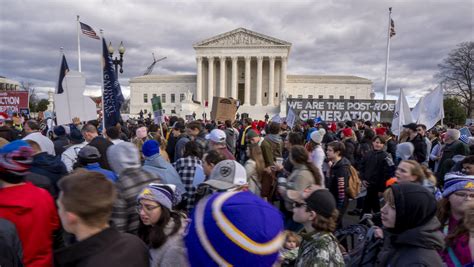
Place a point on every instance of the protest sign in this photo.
(157, 109)
(342, 109)
(13, 101)
(223, 109)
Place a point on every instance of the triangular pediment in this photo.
(242, 38)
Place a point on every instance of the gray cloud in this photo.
(338, 37)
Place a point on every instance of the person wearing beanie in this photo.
(88, 158)
(124, 160)
(60, 141)
(85, 205)
(404, 152)
(272, 145)
(318, 214)
(348, 138)
(458, 194)
(141, 136)
(162, 228)
(253, 137)
(234, 229)
(69, 156)
(29, 208)
(154, 163)
(411, 235)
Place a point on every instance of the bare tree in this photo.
(456, 74)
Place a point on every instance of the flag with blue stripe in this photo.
(112, 94)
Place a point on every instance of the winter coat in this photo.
(377, 168)
(106, 248)
(254, 181)
(173, 251)
(69, 156)
(350, 150)
(9, 237)
(164, 170)
(49, 166)
(102, 145)
(60, 144)
(231, 139)
(317, 158)
(449, 151)
(421, 151)
(414, 247)
(272, 147)
(8, 133)
(179, 148)
(319, 249)
(392, 147)
(340, 169)
(35, 216)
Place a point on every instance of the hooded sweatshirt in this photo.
(49, 166)
(415, 239)
(125, 162)
(34, 214)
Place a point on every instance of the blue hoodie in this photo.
(95, 167)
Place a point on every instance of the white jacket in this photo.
(69, 156)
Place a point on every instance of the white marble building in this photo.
(244, 65)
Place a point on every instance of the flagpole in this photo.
(388, 53)
(78, 45)
(102, 78)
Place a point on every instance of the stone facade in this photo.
(247, 66)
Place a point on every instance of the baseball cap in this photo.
(89, 152)
(411, 126)
(322, 202)
(227, 174)
(216, 136)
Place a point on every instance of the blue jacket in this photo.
(95, 167)
(164, 170)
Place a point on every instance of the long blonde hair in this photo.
(255, 153)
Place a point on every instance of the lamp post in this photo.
(117, 61)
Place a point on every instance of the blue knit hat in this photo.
(457, 181)
(234, 228)
(164, 194)
(150, 148)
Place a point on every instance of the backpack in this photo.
(354, 183)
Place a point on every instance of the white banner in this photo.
(429, 109)
(402, 114)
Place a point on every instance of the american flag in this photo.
(87, 30)
(392, 28)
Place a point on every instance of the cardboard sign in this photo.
(223, 109)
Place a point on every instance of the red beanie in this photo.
(347, 132)
(380, 131)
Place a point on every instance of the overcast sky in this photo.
(328, 37)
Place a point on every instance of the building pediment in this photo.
(241, 38)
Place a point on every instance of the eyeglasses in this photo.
(298, 205)
(146, 208)
(464, 195)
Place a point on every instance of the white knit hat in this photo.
(317, 136)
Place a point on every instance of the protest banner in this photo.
(223, 109)
(13, 101)
(342, 109)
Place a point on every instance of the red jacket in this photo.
(34, 214)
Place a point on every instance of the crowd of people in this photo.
(243, 193)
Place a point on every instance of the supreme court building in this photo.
(244, 65)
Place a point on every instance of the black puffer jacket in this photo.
(414, 247)
(376, 168)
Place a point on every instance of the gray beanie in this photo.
(123, 156)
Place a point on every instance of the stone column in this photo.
(234, 78)
(283, 77)
(259, 80)
(222, 78)
(271, 82)
(247, 80)
(210, 81)
(199, 80)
